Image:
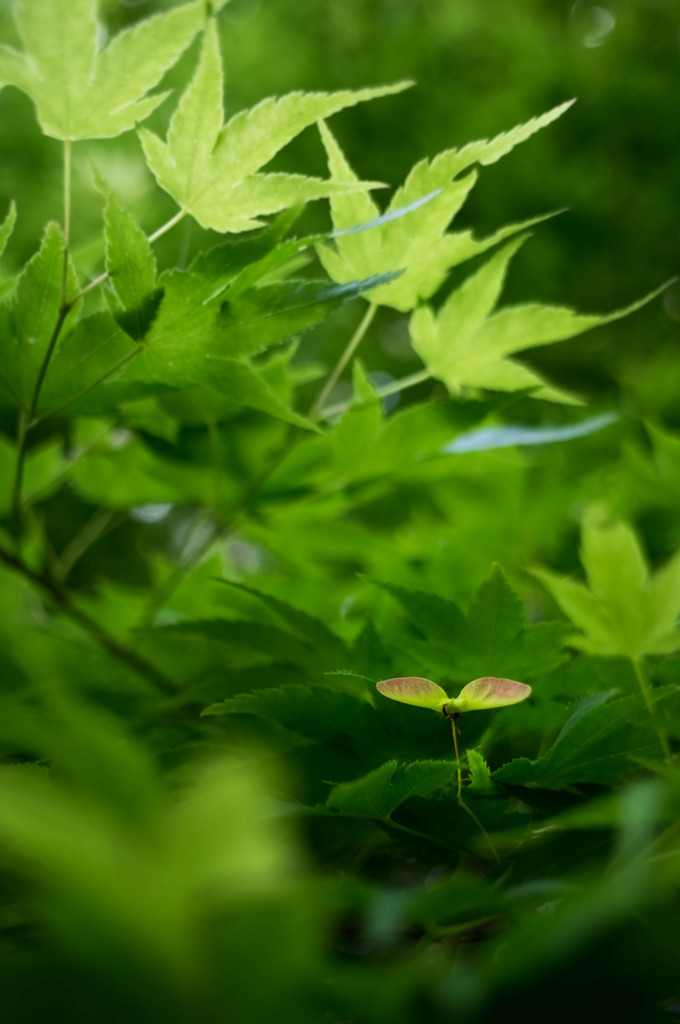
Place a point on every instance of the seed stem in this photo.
(459, 795)
(454, 730)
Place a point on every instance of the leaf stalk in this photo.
(342, 362)
(421, 377)
(646, 689)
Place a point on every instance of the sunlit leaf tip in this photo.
(489, 692)
(422, 693)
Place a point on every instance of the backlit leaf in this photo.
(419, 243)
(467, 344)
(213, 171)
(80, 91)
(623, 611)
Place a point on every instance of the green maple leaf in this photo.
(27, 319)
(420, 242)
(624, 610)
(493, 637)
(468, 343)
(598, 742)
(80, 91)
(198, 327)
(213, 170)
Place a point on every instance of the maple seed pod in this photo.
(422, 693)
(479, 695)
(490, 692)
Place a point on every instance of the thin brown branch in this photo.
(105, 640)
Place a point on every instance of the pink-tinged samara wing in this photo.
(422, 693)
(489, 692)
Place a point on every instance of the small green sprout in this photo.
(479, 695)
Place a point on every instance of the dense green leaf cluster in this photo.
(215, 541)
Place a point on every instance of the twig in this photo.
(105, 640)
(57, 409)
(94, 528)
(65, 307)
